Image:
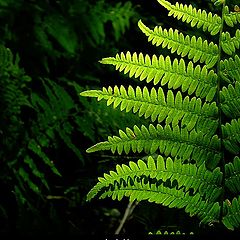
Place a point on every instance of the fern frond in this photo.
(189, 14)
(160, 106)
(231, 136)
(231, 18)
(193, 80)
(194, 48)
(174, 142)
(35, 171)
(165, 195)
(229, 45)
(6, 57)
(230, 71)
(233, 175)
(186, 175)
(24, 178)
(230, 99)
(232, 213)
(36, 148)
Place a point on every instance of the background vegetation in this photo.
(49, 52)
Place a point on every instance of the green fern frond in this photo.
(193, 80)
(160, 194)
(62, 31)
(6, 57)
(194, 48)
(192, 178)
(229, 45)
(35, 171)
(230, 71)
(231, 18)
(36, 148)
(178, 232)
(53, 113)
(189, 14)
(231, 136)
(170, 141)
(230, 98)
(187, 175)
(160, 106)
(27, 180)
(233, 175)
(120, 16)
(231, 217)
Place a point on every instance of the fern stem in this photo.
(128, 212)
(220, 112)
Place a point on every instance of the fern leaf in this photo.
(6, 57)
(232, 213)
(231, 18)
(194, 48)
(230, 71)
(229, 45)
(230, 98)
(26, 178)
(186, 175)
(233, 175)
(231, 136)
(176, 74)
(37, 150)
(174, 142)
(62, 31)
(171, 197)
(158, 106)
(199, 18)
(35, 171)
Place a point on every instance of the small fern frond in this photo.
(233, 175)
(160, 106)
(36, 148)
(194, 48)
(6, 57)
(230, 71)
(169, 141)
(231, 18)
(231, 217)
(189, 14)
(187, 175)
(231, 136)
(25, 179)
(35, 171)
(230, 98)
(229, 44)
(193, 80)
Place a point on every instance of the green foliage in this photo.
(93, 18)
(159, 232)
(40, 114)
(17, 144)
(195, 126)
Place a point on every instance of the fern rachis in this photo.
(195, 124)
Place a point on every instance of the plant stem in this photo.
(218, 102)
(128, 212)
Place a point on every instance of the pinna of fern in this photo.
(194, 129)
